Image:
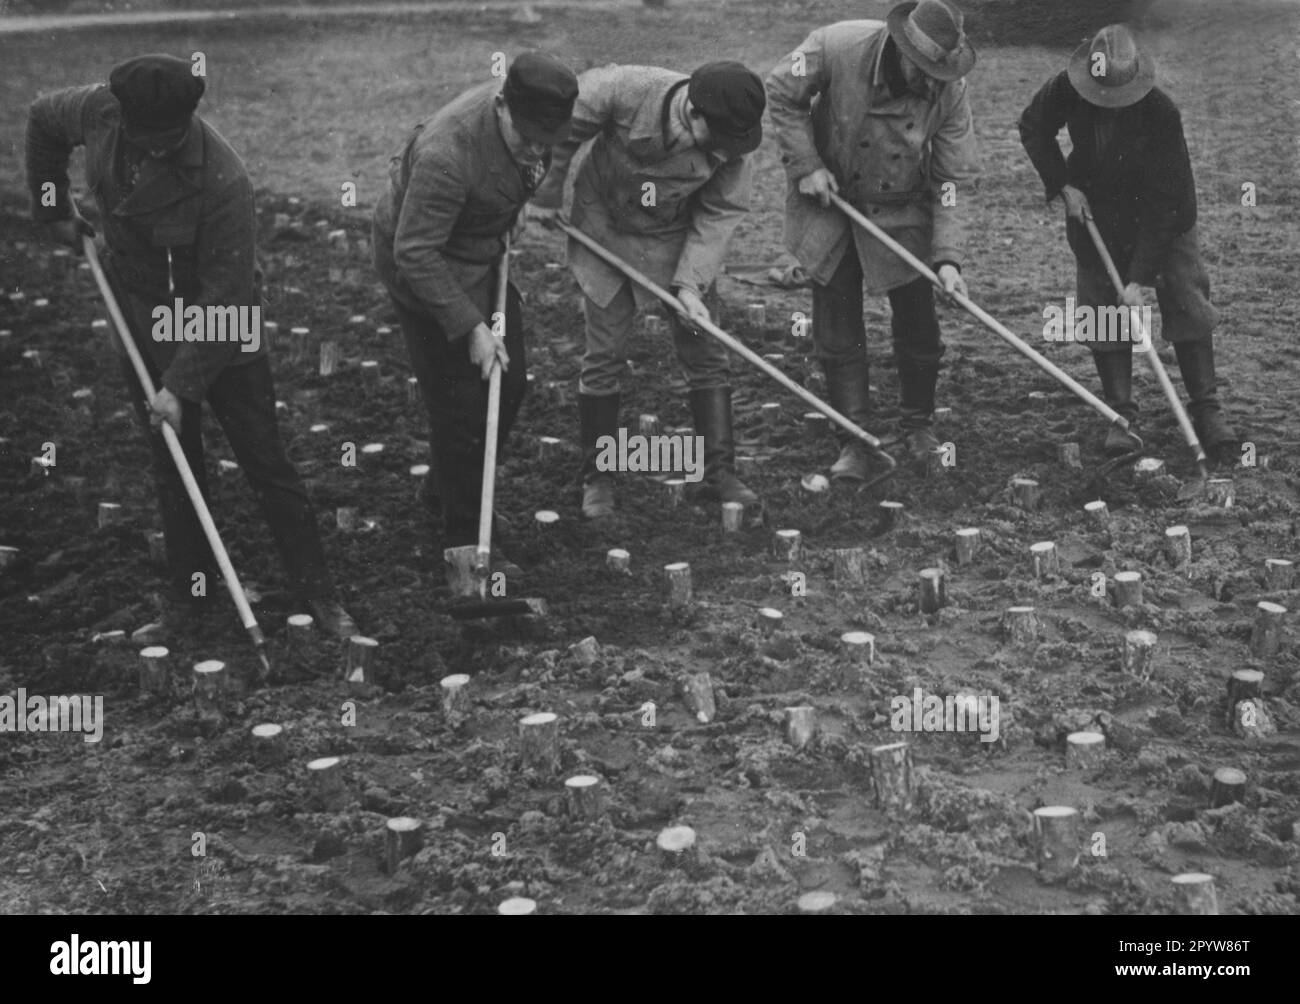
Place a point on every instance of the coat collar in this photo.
(163, 183)
(646, 132)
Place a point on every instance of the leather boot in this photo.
(711, 412)
(1116, 372)
(916, 385)
(598, 416)
(847, 386)
(1196, 363)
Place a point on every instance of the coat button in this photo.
(884, 185)
(910, 124)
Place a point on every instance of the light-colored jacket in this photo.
(661, 203)
(831, 107)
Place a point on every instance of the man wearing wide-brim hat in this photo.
(1129, 169)
(877, 111)
(456, 188)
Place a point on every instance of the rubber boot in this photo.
(1116, 372)
(1196, 363)
(711, 412)
(848, 387)
(598, 416)
(916, 386)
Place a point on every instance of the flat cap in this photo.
(540, 92)
(157, 92)
(731, 98)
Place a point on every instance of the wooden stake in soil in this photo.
(1085, 750)
(769, 620)
(1068, 455)
(517, 906)
(1128, 589)
(733, 516)
(455, 696)
(326, 781)
(647, 425)
(545, 519)
(698, 691)
(849, 564)
(329, 357)
(1279, 574)
(618, 560)
(771, 413)
(154, 678)
(1139, 653)
(1021, 625)
(370, 376)
(859, 646)
(1097, 512)
(1056, 828)
(412, 390)
(934, 593)
(1220, 492)
(1229, 785)
(268, 743)
(891, 776)
(1243, 685)
(756, 313)
(1024, 491)
(786, 544)
(360, 658)
(676, 846)
(8, 555)
(815, 425)
(548, 449)
(1266, 636)
(1047, 563)
(968, 542)
(677, 578)
(674, 492)
(1194, 895)
(298, 339)
(1147, 469)
(1178, 545)
(209, 682)
(346, 518)
(582, 794)
(157, 547)
(817, 902)
(401, 840)
(110, 513)
(889, 515)
(800, 725)
(539, 742)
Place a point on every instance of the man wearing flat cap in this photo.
(178, 218)
(663, 187)
(456, 188)
(877, 112)
(1129, 170)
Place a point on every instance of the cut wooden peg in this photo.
(1068, 455)
(787, 544)
(154, 675)
(455, 697)
(1097, 512)
(267, 742)
(815, 425)
(208, 685)
(891, 776)
(849, 564)
(674, 492)
(1139, 653)
(756, 314)
(1085, 750)
(360, 660)
(698, 691)
(968, 542)
(1194, 895)
(370, 375)
(859, 646)
(933, 591)
(157, 547)
(1021, 625)
(412, 390)
(769, 621)
(1220, 492)
(647, 425)
(586, 651)
(583, 797)
(618, 560)
(677, 577)
(1279, 574)
(677, 846)
(517, 906)
(1024, 491)
(816, 903)
(800, 725)
(544, 520)
(539, 742)
(746, 467)
(401, 840)
(345, 516)
(548, 449)
(1178, 545)
(325, 776)
(1243, 685)
(733, 517)
(1046, 561)
(110, 514)
(329, 357)
(889, 515)
(1128, 589)
(299, 339)
(771, 414)
(1056, 829)
(1228, 785)
(1147, 469)
(8, 555)
(1266, 635)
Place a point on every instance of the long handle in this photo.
(1149, 350)
(484, 557)
(733, 344)
(985, 318)
(178, 457)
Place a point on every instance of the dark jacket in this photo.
(454, 191)
(198, 205)
(1140, 186)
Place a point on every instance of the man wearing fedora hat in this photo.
(456, 188)
(176, 205)
(1130, 171)
(877, 112)
(667, 180)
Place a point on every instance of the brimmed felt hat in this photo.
(540, 92)
(731, 97)
(1112, 71)
(930, 34)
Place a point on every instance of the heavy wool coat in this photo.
(188, 229)
(831, 107)
(645, 191)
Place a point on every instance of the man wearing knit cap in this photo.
(877, 112)
(667, 180)
(1129, 170)
(176, 205)
(456, 188)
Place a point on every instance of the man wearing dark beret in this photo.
(177, 211)
(456, 188)
(877, 112)
(1129, 169)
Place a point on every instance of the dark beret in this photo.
(731, 98)
(156, 92)
(540, 92)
